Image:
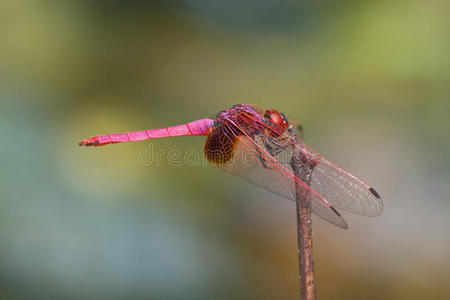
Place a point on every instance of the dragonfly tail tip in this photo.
(89, 142)
(84, 143)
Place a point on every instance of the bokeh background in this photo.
(368, 80)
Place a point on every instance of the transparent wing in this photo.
(344, 190)
(338, 186)
(251, 161)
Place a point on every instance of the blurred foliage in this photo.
(369, 82)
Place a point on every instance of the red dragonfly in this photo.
(259, 145)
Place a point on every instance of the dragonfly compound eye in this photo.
(277, 119)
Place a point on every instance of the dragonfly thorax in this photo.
(253, 120)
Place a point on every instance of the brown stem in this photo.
(303, 168)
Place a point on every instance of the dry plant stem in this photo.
(303, 169)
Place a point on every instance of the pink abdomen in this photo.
(199, 127)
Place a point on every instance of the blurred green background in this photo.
(369, 82)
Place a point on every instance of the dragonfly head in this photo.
(277, 122)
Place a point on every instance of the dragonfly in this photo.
(263, 147)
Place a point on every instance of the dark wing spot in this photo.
(335, 211)
(374, 193)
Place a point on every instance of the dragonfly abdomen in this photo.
(199, 127)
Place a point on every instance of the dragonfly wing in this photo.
(251, 162)
(338, 186)
(344, 190)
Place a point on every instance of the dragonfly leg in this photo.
(277, 146)
(272, 150)
(274, 146)
(262, 159)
